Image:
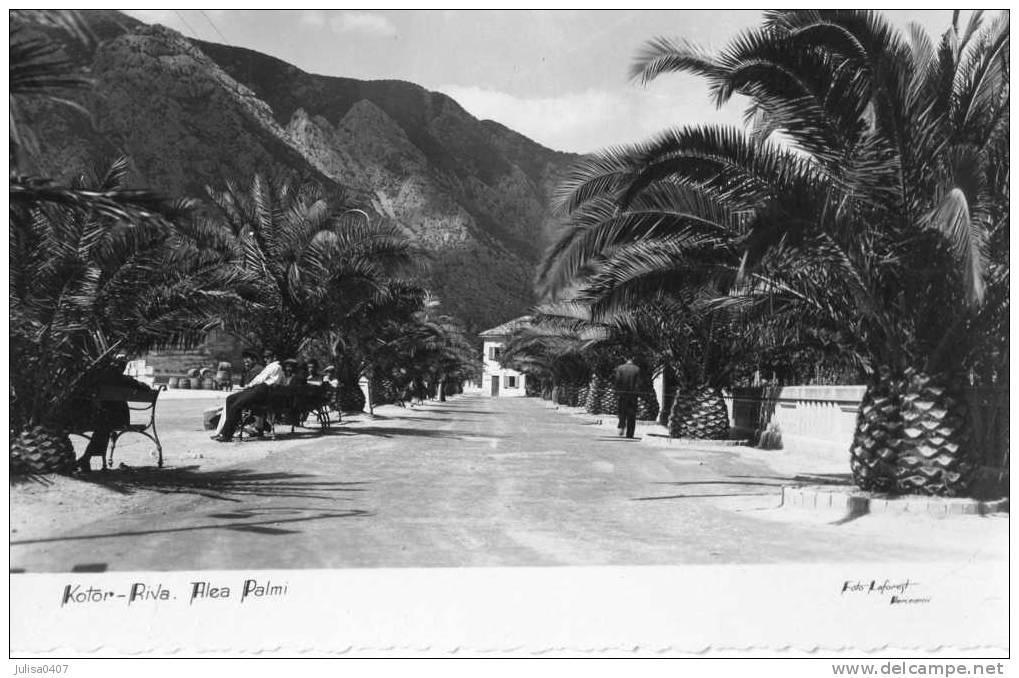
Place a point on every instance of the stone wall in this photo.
(818, 419)
(218, 347)
(821, 420)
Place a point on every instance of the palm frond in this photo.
(663, 55)
(968, 238)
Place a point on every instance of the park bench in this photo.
(293, 405)
(137, 400)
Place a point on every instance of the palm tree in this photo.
(425, 348)
(907, 138)
(645, 265)
(552, 349)
(95, 268)
(313, 263)
(576, 354)
(447, 350)
(367, 339)
(113, 271)
(868, 216)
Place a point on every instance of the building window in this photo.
(494, 352)
(511, 382)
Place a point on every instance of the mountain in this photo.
(472, 194)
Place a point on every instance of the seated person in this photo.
(293, 373)
(252, 367)
(419, 390)
(291, 392)
(106, 416)
(330, 379)
(329, 376)
(295, 403)
(311, 371)
(254, 394)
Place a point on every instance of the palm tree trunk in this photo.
(668, 394)
(595, 389)
(608, 399)
(41, 449)
(582, 392)
(370, 377)
(647, 403)
(912, 436)
(699, 413)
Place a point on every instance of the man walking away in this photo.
(627, 382)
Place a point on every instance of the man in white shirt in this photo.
(254, 393)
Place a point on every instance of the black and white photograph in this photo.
(510, 333)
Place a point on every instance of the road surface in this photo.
(474, 481)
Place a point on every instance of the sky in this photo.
(559, 77)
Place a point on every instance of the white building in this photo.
(497, 380)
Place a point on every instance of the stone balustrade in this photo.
(810, 418)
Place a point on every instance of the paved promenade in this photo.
(471, 482)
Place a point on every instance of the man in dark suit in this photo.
(627, 385)
(106, 416)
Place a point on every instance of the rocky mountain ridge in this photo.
(473, 194)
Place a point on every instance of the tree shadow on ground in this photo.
(282, 434)
(752, 482)
(270, 526)
(456, 411)
(813, 478)
(710, 442)
(708, 496)
(227, 485)
(718, 482)
(364, 416)
(410, 417)
(28, 478)
(397, 432)
(296, 435)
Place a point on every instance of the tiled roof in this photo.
(507, 327)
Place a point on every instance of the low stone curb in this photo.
(856, 503)
(648, 432)
(846, 501)
(656, 439)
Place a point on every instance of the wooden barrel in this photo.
(209, 384)
(196, 383)
(173, 382)
(184, 382)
